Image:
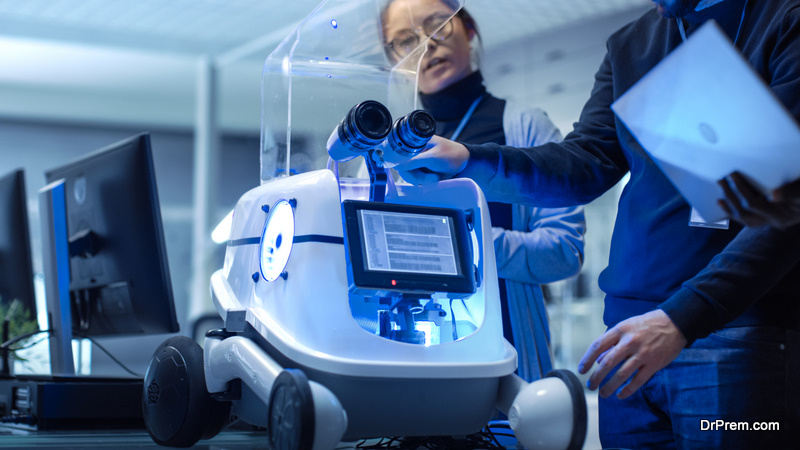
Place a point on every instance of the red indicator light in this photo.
(394, 282)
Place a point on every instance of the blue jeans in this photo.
(734, 378)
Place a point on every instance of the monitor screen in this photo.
(119, 276)
(405, 242)
(16, 268)
(405, 248)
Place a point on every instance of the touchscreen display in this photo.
(407, 248)
(403, 242)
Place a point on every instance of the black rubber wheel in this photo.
(290, 422)
(580, 412)
(178, 410)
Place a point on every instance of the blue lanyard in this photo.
(466, 117)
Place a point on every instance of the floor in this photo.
(120, 440)
(229, 440)
(592, 437)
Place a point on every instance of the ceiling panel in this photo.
(125, 61)
(214, 27)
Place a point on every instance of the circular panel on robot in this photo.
(276, 240)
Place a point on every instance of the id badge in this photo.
(696, 220)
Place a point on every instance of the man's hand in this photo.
(643, 344)
(747, 205)
(442, 159)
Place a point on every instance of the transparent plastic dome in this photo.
(333, 60)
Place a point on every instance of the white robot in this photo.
(355, 308)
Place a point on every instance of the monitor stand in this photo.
(55, 259)
(64, 400)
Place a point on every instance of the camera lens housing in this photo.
(364, 127)
(408, 137)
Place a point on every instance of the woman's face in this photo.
(447, 60)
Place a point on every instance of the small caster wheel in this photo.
(290, 421)
(178, 410)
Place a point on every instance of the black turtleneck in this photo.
(448, 107)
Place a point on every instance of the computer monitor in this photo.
(102, 226)
(16, 268)
(417, 250)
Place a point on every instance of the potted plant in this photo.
(17, 322)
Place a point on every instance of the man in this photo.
(703, 322)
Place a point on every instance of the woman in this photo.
(532, 245)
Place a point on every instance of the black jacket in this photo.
(702, 278)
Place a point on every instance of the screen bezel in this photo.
(123, 205)
(366, 281)
(16, 261)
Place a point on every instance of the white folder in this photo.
(702, 113)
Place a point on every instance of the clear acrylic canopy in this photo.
(332, 61)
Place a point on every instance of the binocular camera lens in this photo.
(364, 127)
(368, 126)
(371, 120)
(413, 131)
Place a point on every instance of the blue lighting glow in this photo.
(334, 24)
(431, 332)
(276, 240)
(223, 230)
(476, 256)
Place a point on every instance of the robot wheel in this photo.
(291, 412)
(178, 410)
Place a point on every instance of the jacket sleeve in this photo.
(587, 163)
(546, 244)
(754, 264)
(550, 249)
